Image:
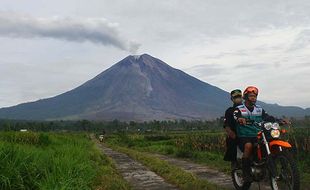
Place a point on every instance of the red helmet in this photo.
(250, 89)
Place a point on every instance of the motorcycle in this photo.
(101, 138)
(272, 160)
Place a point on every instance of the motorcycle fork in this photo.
(270, 161)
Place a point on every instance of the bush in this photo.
(30, 138)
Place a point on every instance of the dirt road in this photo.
(205, 172)
(139, 176)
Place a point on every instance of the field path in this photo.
(205, 172)
(139, 176)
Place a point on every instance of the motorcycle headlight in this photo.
(275, 133)
(275, 126)
(268, 125)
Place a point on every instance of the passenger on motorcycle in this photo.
(230, 126)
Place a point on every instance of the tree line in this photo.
(108, 126)
(117, 126)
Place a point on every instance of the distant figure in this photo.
(101, 137)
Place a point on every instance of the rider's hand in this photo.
(242, 121)
(232, 135)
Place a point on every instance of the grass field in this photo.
(54, 161)
(36, 160)
(206, 148)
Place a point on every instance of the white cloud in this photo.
(262, 59)
(301, 41)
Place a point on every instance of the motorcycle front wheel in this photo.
(236, 175)
(288, 175)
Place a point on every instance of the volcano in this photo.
(138, 88)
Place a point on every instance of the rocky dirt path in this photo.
(139, 176)
(205, 172)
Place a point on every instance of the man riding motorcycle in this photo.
(230, 126)
(246, 131)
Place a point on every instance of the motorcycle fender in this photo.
(280, 143)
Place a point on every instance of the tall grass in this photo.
(50, 161)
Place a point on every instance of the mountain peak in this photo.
(141, 56)
(141, 60)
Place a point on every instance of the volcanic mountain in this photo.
(139, 88)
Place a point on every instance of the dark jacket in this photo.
(231, 144)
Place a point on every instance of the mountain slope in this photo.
(136, 88)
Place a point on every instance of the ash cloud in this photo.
(95, 30)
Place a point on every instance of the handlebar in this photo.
(261, 124)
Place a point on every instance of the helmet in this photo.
(250, 89)
(236, 93)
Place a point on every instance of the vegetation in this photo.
(128, 127)
(173, 174)
(109, 126)
(67, 160)
(31, 160)
(207, 147)
(178, 145)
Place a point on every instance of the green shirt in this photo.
(248, 130)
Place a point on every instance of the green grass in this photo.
(168, 145)
(203, 148)
(54, 161)
(172, 174)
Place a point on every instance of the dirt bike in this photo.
(272, 160)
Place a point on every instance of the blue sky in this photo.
(49, 47)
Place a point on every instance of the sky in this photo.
(50, 47)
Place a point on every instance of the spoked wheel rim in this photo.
(238, 177)
(285, 174)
